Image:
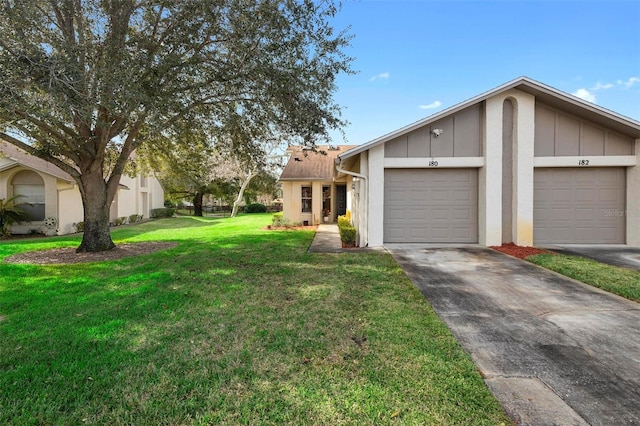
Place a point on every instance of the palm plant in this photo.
(10, 213)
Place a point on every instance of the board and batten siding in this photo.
(461, 137)
(558, 134)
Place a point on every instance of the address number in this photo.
(583, 162)
(433, 164)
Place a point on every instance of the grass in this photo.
(621, 281)
(235, 325)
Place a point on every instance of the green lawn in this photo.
(621, 281)
(235, 325)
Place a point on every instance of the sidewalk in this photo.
(326, 240)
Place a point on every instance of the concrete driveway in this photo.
(613, 254)
(552, 350)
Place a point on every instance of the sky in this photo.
(415, 58)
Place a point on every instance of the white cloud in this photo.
(432, 105)
(601, 86)
(585, 94)
(630, 82)
(381, 76)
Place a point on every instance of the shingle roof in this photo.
(20, 157)
(309, 165)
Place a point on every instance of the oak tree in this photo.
(86, 83)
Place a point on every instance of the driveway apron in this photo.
(554, 351)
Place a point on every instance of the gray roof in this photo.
(20, 157)
(306, 164)
(542, 92)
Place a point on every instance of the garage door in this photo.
(431, 205)
(583, 205)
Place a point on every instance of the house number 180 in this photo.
(433, 164)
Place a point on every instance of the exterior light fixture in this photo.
(437, 132)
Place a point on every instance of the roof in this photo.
(22, 158)
(306, 164)
(546, 94)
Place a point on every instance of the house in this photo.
(523, 163)
(52, 196)
(311, 192)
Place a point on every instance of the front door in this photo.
(341, 200)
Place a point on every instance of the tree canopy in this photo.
(85, 83)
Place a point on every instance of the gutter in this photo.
(365, 207)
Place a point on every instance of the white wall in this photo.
(633, 201)
(375, 186)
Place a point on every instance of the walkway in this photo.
(326, 240)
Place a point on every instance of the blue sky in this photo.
(415, 58)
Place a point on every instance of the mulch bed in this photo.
(68, 255)
(520, 252)
(292, 228)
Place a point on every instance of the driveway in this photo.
(618, 255)
(554, 351)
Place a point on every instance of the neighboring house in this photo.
(310, 192)
(52, 196)
(522, 163)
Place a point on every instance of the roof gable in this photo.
(305, 164)
(542, 92)
(22, 158)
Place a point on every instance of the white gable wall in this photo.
(490, 173)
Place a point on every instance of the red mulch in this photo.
(520, 251)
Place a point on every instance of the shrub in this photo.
(279, 220)
(347, 231)
(11, 212)
(162, 212)
(135, 218)
(79, 227)
(255, 208)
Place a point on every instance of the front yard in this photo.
(234, 325)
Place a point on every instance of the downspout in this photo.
(365, 207)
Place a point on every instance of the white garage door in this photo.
(431, 206)
(583, 205)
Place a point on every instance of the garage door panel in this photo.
(446, 198)
(571, 205)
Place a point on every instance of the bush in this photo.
(120, 221)
(79, 227)
(162, 212)
(279, 220)
(347, 231)
(255, 208)
(135, 218)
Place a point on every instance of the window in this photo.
(29, 186)
(306, 199)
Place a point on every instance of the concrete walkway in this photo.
(326, 240)
(554, 351)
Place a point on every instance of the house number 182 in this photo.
(433, 163)
(583, 162)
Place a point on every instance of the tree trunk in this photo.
(197, 204)
(238, 200)
(96, 202)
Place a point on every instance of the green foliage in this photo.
(10, 213)
(135, 218)
(162, 212)
(347, 230)
(145, 76)
(79, 227)
(278, 220)
(255, 208)
(120, 221)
